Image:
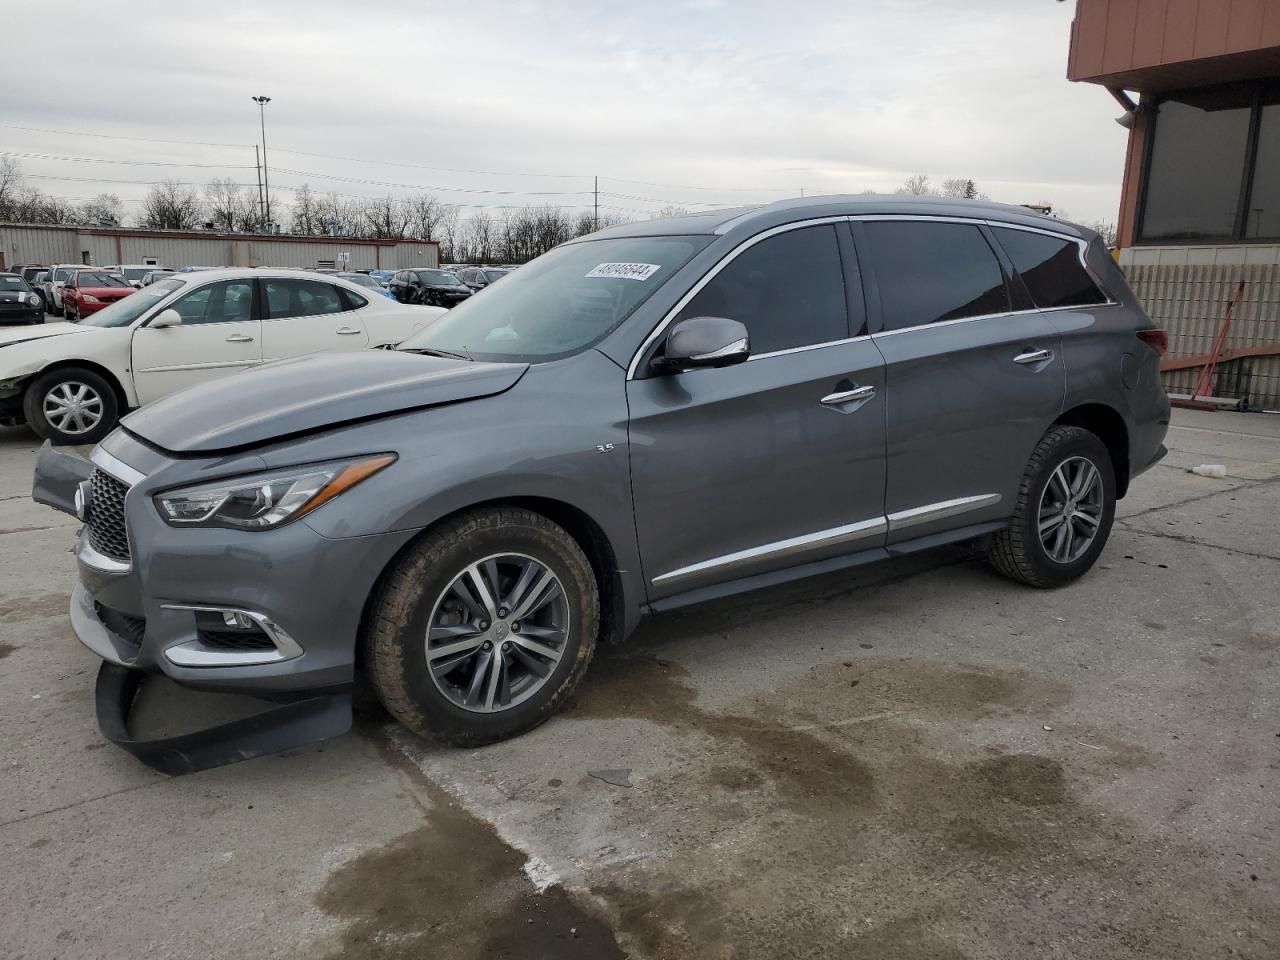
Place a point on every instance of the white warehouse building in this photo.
(102, 246)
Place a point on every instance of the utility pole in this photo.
(257, 165)
(596, 216)
(266, 180)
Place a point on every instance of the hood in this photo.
(309, 394)
(10, 335)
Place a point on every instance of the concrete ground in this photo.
(915, 760)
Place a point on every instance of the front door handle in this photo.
(1033, 356)
(239, 338)
(847, 396)
(347, 332)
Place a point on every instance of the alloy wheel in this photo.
(497, 632)
(73, 407)
(1071, 510)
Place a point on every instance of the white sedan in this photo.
(71, 382)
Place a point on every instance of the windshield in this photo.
(61, 273)
(361, 280)
(136, 273)
(492, 275)
(9, 281)
(560, 303)
(124, 311)
(87, 279)
(438, 277)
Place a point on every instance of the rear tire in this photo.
(418, 611)
(1065, 507)
(71, 405)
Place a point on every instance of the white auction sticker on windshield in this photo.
(626, 271)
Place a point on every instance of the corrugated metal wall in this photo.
(32, 244)
(1189, 301)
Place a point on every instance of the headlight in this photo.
(88, 298)
(266, 500)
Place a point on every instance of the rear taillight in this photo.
(1156, 339)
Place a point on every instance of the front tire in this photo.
(1065, 507)
(483, 628)
(71, 405)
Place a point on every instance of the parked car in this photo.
(71, 382)
(18, 302)
(436, 288)
(87, 291)
(37, 286)
(134, 272)
(382, 276)
(58, 274)
(477, 278)
(368, 282)
(153, 275)
(26, 271)
(644, 418)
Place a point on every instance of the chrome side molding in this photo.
(835, 535)
(781, 548)
(940, 511)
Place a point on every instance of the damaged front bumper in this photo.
(264, 615)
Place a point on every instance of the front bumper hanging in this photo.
(314, 717)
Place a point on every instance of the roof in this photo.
(753, 219)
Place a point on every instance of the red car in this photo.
(88, 291)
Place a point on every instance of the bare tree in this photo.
(104, 210)
(670, 210)
(917, 185)
(386, 217)
(304, 215)
(338, 216)
(430, 219)
(229, 207)
(170, 205)
(10, 183)
(1105, 230)
(477, 239)
(962, 188)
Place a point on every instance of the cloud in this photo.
(829, 97)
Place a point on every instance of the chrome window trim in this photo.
(710, 275)
(1081, 247)
(116, 467)
(780, 548)
(941, 510)
(807, 347)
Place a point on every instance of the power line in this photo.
(112, 136)
(419, 186)
(129, 163)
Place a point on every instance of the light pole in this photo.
(262, 119)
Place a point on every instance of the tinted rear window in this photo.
(928, 272)
(1051, 269)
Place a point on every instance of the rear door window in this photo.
(787, 290)
(300, 298)
(928, 272)
(1050, 268)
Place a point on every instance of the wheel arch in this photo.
(103, 371)
(1107, 425)
(584, 529)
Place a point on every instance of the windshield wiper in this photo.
(433, 352)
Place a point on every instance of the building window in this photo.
(1213, 168)
(1193, 182)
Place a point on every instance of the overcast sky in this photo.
(709, 101)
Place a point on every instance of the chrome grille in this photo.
(106, 516)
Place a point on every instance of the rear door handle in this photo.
(1033, 356)
(347, 332)
(847, 396)
(239, 338)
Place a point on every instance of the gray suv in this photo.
(655, 415)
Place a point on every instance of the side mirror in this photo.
(166, 318)
(704, 342)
